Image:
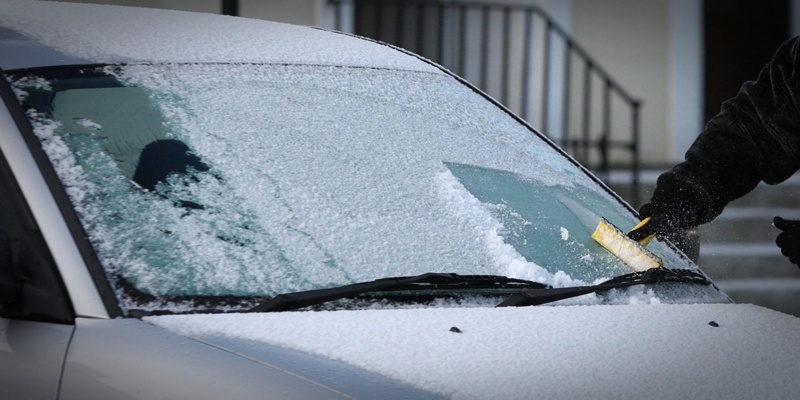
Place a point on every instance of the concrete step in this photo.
(739, 224)
(778, 294)
(744, 261)
(786, 194)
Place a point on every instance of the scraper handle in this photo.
(643, 232)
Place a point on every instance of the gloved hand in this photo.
(650, 228)
(673, 210)
(789, 239)
(685, 239)
(664, 222)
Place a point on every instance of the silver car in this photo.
(205, 207)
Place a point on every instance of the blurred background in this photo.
(623, 85)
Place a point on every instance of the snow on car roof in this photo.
(38, 33)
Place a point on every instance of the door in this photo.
(740, 37)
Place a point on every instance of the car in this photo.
(200, 207)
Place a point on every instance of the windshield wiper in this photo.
(429, 281)
(534, 297)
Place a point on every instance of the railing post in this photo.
(526, 64)
(230, 7)
(605, 141)
(587, 111)
(506, 54)
(485, 14)
(441, 43)
(567, 92)
(420, 16)
(462, 40)
(545, 96)
(635, 150)
(400, 28)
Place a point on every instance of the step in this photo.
(745, 224)
(786, 194)
(778, 294)
(745, 260)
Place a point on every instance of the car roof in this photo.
(40, 34)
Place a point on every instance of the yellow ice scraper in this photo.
(626, 249)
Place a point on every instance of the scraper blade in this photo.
(631, 252)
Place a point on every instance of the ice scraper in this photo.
(631, 252)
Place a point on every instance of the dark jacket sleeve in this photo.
(754, 138)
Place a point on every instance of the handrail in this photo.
(464, 28)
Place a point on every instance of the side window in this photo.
(30, 286)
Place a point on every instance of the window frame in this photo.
(53, 236)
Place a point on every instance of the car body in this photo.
(167, 176)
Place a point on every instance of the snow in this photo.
(319, 175)
(112, 34)
(305, 199)
(576, 352)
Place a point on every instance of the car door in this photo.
(36, 322)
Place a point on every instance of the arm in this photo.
(754, 138)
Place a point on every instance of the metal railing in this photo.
(519, 55)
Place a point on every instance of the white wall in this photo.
(301, 12)
(685, 119)
(631, 40)
(794, 6)
(208, 6)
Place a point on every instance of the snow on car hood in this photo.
(638, 351)
(113, 34)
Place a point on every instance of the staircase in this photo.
(738, 248)
(518, 54)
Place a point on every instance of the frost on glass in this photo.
(304, 177)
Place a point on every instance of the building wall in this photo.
(685, 113)
(631, 40)
(208, 6)
(301, 12)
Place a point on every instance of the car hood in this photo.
(716, 351)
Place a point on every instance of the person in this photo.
(754, 138)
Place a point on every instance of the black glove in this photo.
(673, 210)
(685, 239)
(789, 239)
(667, 220)
(652, 227)
(674, 214)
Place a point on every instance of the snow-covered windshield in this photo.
(254, 180)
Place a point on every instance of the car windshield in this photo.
(254, 180)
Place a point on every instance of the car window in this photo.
(254, 180)
(32, 288)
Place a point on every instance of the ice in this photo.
(89, 124)
(316, 176)
(343, 193)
